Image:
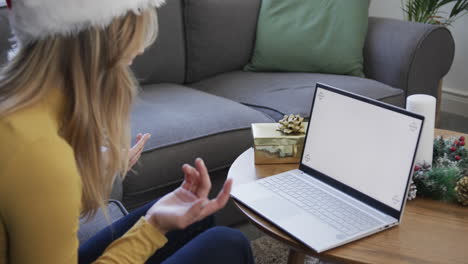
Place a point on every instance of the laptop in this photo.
(354, 174)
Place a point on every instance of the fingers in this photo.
(203, 207)
(224, 194)
(135, 151)
(141, 141)
(193, 213)
(191, 178)
(134, 160)
(219, 202)
(188, 178)
(198, 181)
(204, 180)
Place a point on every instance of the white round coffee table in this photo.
(410, 242)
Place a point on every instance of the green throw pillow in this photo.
(320, 36)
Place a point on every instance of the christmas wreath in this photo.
(447, 178)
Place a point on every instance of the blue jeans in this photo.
(199, 243)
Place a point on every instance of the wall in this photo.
(455, 84)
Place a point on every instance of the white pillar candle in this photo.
(424, 105)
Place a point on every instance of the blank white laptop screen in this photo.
(368, 148)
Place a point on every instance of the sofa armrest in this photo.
(411, 56)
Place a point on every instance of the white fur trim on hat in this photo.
(37, 19)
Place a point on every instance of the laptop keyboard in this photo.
(323, 205)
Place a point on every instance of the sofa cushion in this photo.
(291, 93)
(220, 35)
(164, 61)
(90, 227)
(185, 124)
(5, 35)
(320, 36)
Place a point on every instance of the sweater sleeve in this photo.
(41, 201)
(135, 246)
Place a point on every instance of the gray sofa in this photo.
(197, 102)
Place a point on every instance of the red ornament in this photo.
(462, 138)
(456, 142)
(462, 143)
(416, 168)
(453, 149)
(457, 157)
(8, 2)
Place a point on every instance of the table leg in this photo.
(296, 257)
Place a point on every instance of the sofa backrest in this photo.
(165, 60)
(220, 35)
(197, 39)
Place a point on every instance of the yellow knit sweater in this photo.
(40, 195)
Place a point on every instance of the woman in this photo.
(65, 95)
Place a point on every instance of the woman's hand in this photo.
(189, 203)
(135, 152)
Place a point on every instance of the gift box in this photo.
(273, 147)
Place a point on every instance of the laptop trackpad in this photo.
(275, 208)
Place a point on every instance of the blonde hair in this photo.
(99, 88)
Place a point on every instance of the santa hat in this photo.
(32, 20)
